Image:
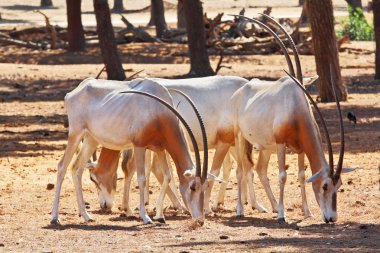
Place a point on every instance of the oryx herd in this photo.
(232, 115)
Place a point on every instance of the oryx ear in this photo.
(314, 177)
(91, 165)
(189, 172)
(214, 178)
(310, 80)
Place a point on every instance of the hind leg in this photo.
(220, 153)
(166, 177)
(227, 166)
(262, 171)
(72, 144)
(88, 148)
(249, 175)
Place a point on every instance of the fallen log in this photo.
(138, 32)
(21, 43)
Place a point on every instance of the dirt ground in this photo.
(33, 137)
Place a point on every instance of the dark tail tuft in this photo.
(248, 150)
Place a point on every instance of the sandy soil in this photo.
(32, 87)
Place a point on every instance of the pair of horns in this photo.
(199, 173)
(299, 81)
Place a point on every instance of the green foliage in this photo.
(356, 26)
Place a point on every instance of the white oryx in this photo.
(275, 115)
(111, 114)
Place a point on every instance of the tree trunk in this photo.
(159, 17)
(46, 3)
(376, 24)
(107, 41)
(74, 25)
(181, 21)
(325, 49)
(152, 12)
(200, 64)
(118, 6)
(356, 5)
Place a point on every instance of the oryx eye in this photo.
(324, 187)
(192, 186)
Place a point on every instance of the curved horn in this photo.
(292, 45)
(327, 136)
(341, 152)
(187, 127)
(278, 40)
(204, 136)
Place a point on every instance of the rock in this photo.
(2, 245)
(49, 186)
(223, 237)
(263, 234)
(363, 226)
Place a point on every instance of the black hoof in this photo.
(240, 216)
(55, 222)
(161, 220)
(281, 220)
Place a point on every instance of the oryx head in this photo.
(104, 176)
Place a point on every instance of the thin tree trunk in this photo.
(376, 24)
(46, 3)
(107, 41)
(159, 17)
(325, 49)
(74, 26)
(118, 6)
(199, 60)
(181, 21)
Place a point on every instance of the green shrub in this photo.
(356, 26)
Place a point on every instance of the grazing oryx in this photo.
(275, 115)
(99, 113)
(209, 95)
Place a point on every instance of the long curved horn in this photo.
(204, 136)
(278, 40)
(292, 45)
(341, 152)
(187, 127)
(327, 136)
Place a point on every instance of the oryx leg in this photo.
(301, 179)
(220, 153)
(163, 174)
(282, 179)
(171, 191)
(239, 174)
(148, 169)
(262, 171)
(227, 166)
(88, 148)
(129, 168)
(141, 180)
(249, 175)
(72, 144)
